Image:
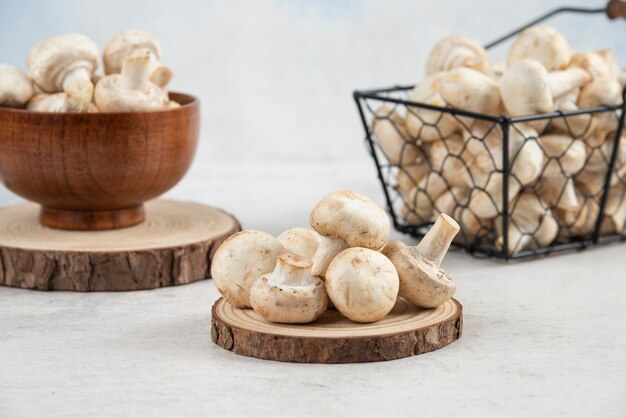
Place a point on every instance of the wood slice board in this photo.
(174, 245)
(406, 331)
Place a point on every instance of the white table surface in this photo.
(540, 338)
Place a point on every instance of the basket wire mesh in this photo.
(483, 170)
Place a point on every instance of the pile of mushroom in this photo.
(345, 262)
(453, 164)
(62, 76)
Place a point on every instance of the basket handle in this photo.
(616, 9)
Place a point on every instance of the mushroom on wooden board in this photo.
(15, 87)
(300, 241)
(347, 219)
(240, 260)
(362, 284)
(289, 294)
(64, 63)
(132, 43)
(457, 51)
(422, 280)
(131, 90)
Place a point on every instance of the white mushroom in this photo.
(611, 62)
(131, 90)
(64, 63)
(544, 44)
(240, 260)
(531, 225)
(289, 294)
(392, 137)
(419, 207)
(133, 43)
(457, 51)
(15, 87)
(467, 89)
(425, 124)
(362, 284)
(422, 280)
(615, 210)
(581, 221)
(346, 219)
(300, 241)
(409, 176)
(602, 91)
(565, 81)
(61, 102)
(577, 125)
(484, 139)
(525, 88)
(487, 199)
(596, 64)
(564, 158)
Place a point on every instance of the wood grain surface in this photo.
(406, 331)
(173, 246)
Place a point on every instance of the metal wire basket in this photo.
(426, 170)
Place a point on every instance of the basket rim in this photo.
(377, 94)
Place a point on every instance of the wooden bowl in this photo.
(94, 171)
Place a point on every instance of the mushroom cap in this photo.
(353, 217)
(457, 51)
(544, 44)
(240, 260)
(468, 89)
(300, 241)
(277, 301)
(123, 44)
(426, 124)
(525, 88)
(393, 138)
(421, 282)
(601, 91)
(54, 57)
(60, 102)
(15, 87)
(362, 284)
(112, 96)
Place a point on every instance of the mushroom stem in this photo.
(79, 98)
(77, 83)
(437, 240)
(135, 71)
(327, 250)
(291, 270)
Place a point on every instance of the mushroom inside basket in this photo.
(527, 155)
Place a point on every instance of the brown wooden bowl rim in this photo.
(192, 101)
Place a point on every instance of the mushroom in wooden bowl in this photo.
(91, 164)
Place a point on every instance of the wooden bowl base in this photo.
(85, 220)
(174, 245)
(406, 331)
